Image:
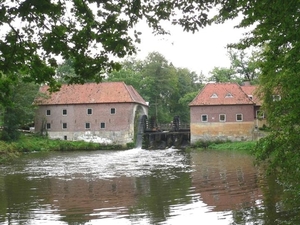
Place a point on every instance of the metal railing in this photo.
(170, 127)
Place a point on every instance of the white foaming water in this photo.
(107, 164)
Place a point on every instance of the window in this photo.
(48, 112)
(250, 97)
(113, 111)
(48, 126)
(89, 111)
(214, 95)
(64, 112)
(102, 125)
(204, 118)
(239, 117)
(65, 137)
(260, 114)
(276, 98)
(87, 125)
(228, 95)
(222, 117)
(65, 126)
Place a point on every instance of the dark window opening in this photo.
(113, 111)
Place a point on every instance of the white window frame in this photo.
(102, 123)
(64, 110)
(220, 117)
(48, 110)
(262, 116)
(204, 121)
(111, 109)
(228, 95)
(236, 117)
(64, 128)
(214, 95)
(89, 109)
(276, 98)
(48, 124)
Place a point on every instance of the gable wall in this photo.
(215, 130)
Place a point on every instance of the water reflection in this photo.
(137, 187)
(226, 180)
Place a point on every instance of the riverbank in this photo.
(247, 146)
(33, 143)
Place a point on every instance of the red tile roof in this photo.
(221, 94)
(251, 90)
(105, 92)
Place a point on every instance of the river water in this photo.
(138, 187)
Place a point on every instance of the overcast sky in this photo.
(198, 52)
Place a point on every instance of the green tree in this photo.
(158, 83)
(16, 102)
(275, 29)
(171, 84)
(245, 66)
(222, 75)
(65, 71)
(188, 85)
(130, 73)
(35, 33)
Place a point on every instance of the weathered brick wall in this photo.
(213, 112)
(213, 129)
(119, 127)
(222, 131)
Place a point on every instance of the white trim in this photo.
(114, 110)
(63, 112)
(87, 111)
(64, 128)
(89, 125)
(204, 121)
(262, 116)
(101, 125)
(228, 95)
(220, 117)
(214, 95)
(238, 115)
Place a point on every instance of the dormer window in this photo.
(250, 97)
(276, 98)
(228, 95)
(214, 95)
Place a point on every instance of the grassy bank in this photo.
(32, 143)
(236, 146)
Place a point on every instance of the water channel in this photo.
(138, 187)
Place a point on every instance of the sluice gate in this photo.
(161, 136)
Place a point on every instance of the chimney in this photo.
(246, 83)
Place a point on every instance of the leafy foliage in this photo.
(168, 90)
(17, 108)
(276, 32)
(244, 67)
(35, 33)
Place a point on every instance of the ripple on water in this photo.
(106, 164)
